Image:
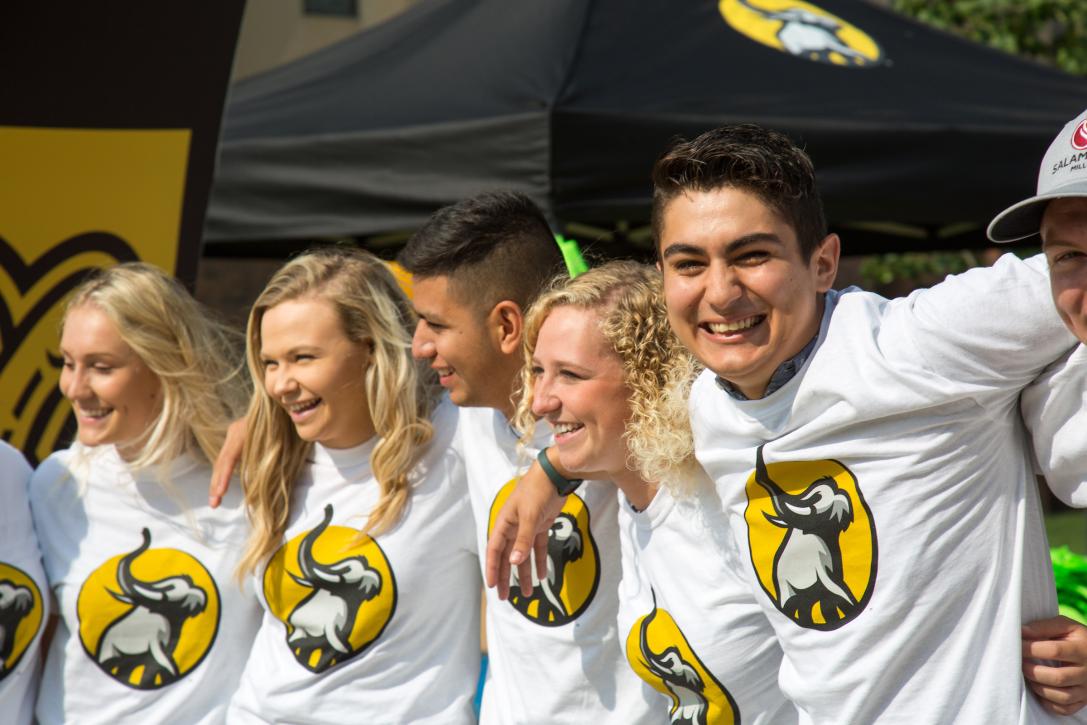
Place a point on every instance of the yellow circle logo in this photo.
(334, 590)
(148, 617)
(803, 30)
(812, 540)
(573, 566)
(659, 653)
(20, 616)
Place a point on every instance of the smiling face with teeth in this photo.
(740, 295)
(115, 396)
(578, 386)
(316, 373)
(475, 351)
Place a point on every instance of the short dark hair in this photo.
(750, 158)
(495, 246)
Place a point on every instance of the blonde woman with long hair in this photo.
(605, 370)
(362, 550)
(151, 627)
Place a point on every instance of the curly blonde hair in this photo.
(400, 392)
(195, 358)
(657, 369)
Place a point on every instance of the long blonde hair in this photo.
(400, 393)
(657, 369)
(195, 358)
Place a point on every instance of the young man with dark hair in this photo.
(868, 452)
(476, 267)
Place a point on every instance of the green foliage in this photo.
(919, 268)
(1070, 575)
(1049, 31)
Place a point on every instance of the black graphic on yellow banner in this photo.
(803, 30)
(812, 540)
(573, 566)
(659, 653)
(334, 590)
(20, 616)
(72, 200)
(148, 617)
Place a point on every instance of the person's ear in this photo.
(508, 323)
(824, 262)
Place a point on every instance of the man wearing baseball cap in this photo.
(1058, 212)
(1054, 407)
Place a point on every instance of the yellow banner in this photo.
(72, 200)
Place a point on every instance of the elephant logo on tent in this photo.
(804, 31)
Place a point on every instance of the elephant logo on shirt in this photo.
(660, 654)
(148, 617)
(20, 616)
(335, 592)
(812, 540)
(573, 566)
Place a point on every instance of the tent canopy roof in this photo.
(571, 101)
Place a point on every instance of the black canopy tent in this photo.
(571, 100)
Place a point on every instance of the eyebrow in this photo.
(294, 350)
(738, 243)
(428, 316)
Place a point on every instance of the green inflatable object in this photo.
(1070, 575)
(571, 254)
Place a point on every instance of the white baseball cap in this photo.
(1063, 173)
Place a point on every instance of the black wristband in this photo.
(564, 486)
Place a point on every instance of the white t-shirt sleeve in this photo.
(24, 595)
(991, 327)
(1054, 408)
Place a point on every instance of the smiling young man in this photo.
(868, 453)
(1055, 406)
(476, 267)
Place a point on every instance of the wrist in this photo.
(564, 486)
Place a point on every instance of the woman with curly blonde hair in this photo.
(605, 370)
(349, 481)
(150, 628)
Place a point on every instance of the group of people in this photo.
(714, 490)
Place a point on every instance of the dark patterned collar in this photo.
(785, 372)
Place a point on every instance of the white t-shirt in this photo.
(24, 596)
(361, 629)
(693, 627)
(1055, 410)
(555, 657)
(903, 546)
(153, 626)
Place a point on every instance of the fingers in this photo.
(1053, 628)
(498, 554)
(219, 484)
(1068, 677)
(1063, 701)
(226, 461)
(527, 542)
(539, 550)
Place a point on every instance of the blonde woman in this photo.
(151, 627)
(363, 551)
(602, 366)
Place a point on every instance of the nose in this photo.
(723, 286)
(544, 400)
(422, 347)
(280, 381)
(73, 383)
